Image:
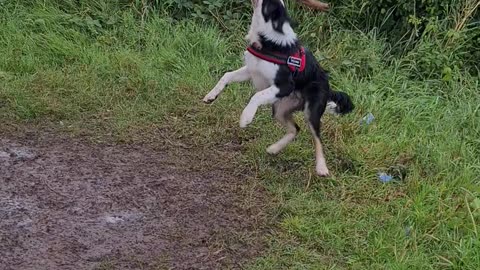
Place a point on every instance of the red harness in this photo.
(295, 62)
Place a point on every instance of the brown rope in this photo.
(314, 4)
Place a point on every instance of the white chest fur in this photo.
(262, 72)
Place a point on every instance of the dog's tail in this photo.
(339, 103)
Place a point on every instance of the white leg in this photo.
(238, 75)
(267, 96)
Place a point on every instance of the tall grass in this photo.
(97, 66)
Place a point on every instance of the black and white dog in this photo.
(285, 75)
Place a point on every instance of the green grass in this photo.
(104, 69)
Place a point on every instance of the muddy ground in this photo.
(68, 203)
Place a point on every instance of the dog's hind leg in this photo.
(283, 112)
(314, 110)
(292, 131)
(238, 75)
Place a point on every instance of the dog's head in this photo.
(272, 11)
(271, 22)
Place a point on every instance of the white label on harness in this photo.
(294, 61)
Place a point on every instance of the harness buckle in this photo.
(294, 61)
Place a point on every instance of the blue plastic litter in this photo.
(385, 178)
(408, 230)
(367, 119)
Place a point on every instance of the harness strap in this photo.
(295, 62)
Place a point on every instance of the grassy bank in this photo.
(110, 71)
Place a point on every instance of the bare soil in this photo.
(68, 203)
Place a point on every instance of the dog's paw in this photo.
(245, 121)
(322, 171)
(247, 117)
(210, 97)
(274, 149)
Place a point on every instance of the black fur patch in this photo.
(269, 45)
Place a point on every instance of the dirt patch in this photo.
(69, 204)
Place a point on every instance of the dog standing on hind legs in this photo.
(285, 75)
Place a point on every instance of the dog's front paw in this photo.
(210, 97)
(247, 116)
(274, 149)
(245, 121)
(322, 171)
